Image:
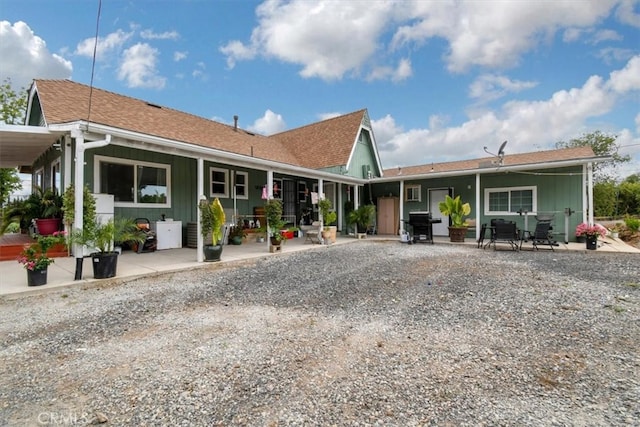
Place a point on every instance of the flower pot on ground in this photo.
(329, 218)
(273, 214)
(591, 234)
(362, 217)
(35, 260)
(237, 233)
(212, 219)
(456, 211)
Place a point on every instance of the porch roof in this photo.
(536, 159)
(20, 145)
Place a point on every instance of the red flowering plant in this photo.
(34, 256)
(592, 231)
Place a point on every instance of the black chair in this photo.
(540, 236)
(483, 231)
(151, 241)
(505, 232)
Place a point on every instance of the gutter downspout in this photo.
(81, 147)
(590, 192)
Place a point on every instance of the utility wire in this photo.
(93, 62)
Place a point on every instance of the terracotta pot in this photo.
(457, 234)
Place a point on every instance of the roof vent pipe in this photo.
(235, 123)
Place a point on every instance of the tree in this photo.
(12, 111)
(13, 107)
(602, 145)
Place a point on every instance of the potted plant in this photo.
(42, 206)
(237, 233)
(35, 260)
(615, 230)
(329, 218)
(273, 214)
(363, 219)
(126, 231)
(212, 219)
(456, 211)
(49, 217)
(591, 234)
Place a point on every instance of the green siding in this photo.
(363, 156)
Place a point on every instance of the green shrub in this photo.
(632, 224)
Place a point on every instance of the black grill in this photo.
(422, 226)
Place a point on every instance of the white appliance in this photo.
(168, 234)
(104, 212)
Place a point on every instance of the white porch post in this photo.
(401, 207)
(590, 192)
(68, 158)
(356, 196)
(270, 196)
(477, 206)
(81, 147)
(199, 196)
(320, 196)
(339, 211)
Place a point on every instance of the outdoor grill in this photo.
(422, 226)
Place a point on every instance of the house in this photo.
(158, 162)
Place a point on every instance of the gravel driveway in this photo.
(368, 333)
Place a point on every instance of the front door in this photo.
(435, 197)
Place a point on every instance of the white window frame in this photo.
(245, 185)
(413, 189)
(302, 194)
(37, 181)
(329, 192)
(135, 164)
(226, 182)
(487, 191)
(55, 163)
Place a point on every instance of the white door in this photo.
(435, 197)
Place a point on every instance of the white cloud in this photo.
(25, 57)
(330, 39)
(527, 125)
(488, 87)
(268, 124)
(138, 67)
(605, 35)
(628, 14)
(106, 45)
(179, 56)
(628, 78)
(167, 35)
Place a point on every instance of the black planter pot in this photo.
(37, 277)
(212, 253)
(592, 243)
(104, 264)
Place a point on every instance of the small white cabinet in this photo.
(168, 233)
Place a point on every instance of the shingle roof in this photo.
(323, 144)
(315, 146)
(64, 101)
(537, 157)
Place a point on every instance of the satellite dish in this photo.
(501, 150)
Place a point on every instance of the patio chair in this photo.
(505, 232)
(540, 236)
(312, 232)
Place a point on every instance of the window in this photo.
(509, 200)
(55, 176)
(302, 191)
(330, 193)
(242, 185)
(133, 183)
(218, 185)
(277, 189)
(412, 193)
(38, 179)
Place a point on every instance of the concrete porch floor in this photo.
(13, 278)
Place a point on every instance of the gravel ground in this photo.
(368, 333)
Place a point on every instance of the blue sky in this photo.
(440, 79)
